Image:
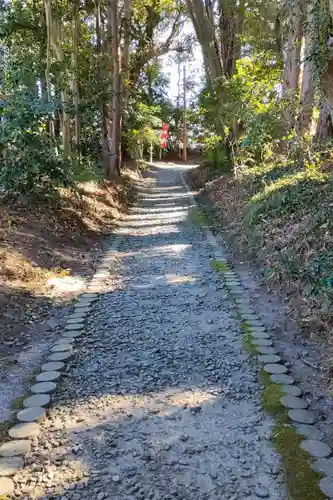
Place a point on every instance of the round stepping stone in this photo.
(37, 400)
(84, 303)
(82, 310)
(302, 416)
(77, 326)
(275, 368)
(6, 486)
(63, 340)
(278, 378)
(24, 431)
(60, 356)
(266, 350)
(255, 322)
(269, 358)
(323, 465)
(48, 376)
(293, 390)
(326, 486)
(31, 414)
(309, 431)
(78, 315)
(250, 316)
(43, 387)
(15, 448)
(61, 347)
(260, 335)
(93, 295)
(315, 448)
(263, 342)
(292, 402)
(72, 335)
(10, 465)
(75, 321)
(53, 366)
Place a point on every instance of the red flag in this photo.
(164, 135)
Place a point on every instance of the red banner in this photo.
(164, 135)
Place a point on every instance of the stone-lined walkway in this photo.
(160, 401)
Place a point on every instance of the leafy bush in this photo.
(31, 163)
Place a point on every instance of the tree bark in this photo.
(292, 65)
(114, 83)
(75, 78)
(324, 125)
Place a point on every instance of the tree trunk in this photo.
(304, 121)
(292, 65)
(75, 78)
(324, 125)
(115, 87)
(55, 36)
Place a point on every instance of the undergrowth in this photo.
(280, 213)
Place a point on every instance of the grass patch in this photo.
(219, 266)
(17, 404)
(301, 479)
(4, 427)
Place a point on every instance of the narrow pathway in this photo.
(160, 401)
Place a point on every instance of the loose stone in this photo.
(275, 369)
(261, 492)
(53, 366)
(317, 449)
(31, 414)
(6, 486)
(269, 358)
(43, 387)
(278, 378)
(15, 448)
(24, 431)
(302, 416)
(9, 466)
(293, 402)
(48, 376)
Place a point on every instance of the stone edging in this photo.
(272, 364)
(18, 445)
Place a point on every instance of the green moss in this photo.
(219, 266)
(198, 217)
(301, 479)
(248, 345)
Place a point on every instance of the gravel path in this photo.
(160, 401)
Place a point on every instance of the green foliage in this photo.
(31, 163)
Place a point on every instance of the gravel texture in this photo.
(161, 402)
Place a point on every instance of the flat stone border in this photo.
(21, 434)
(278, 373)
